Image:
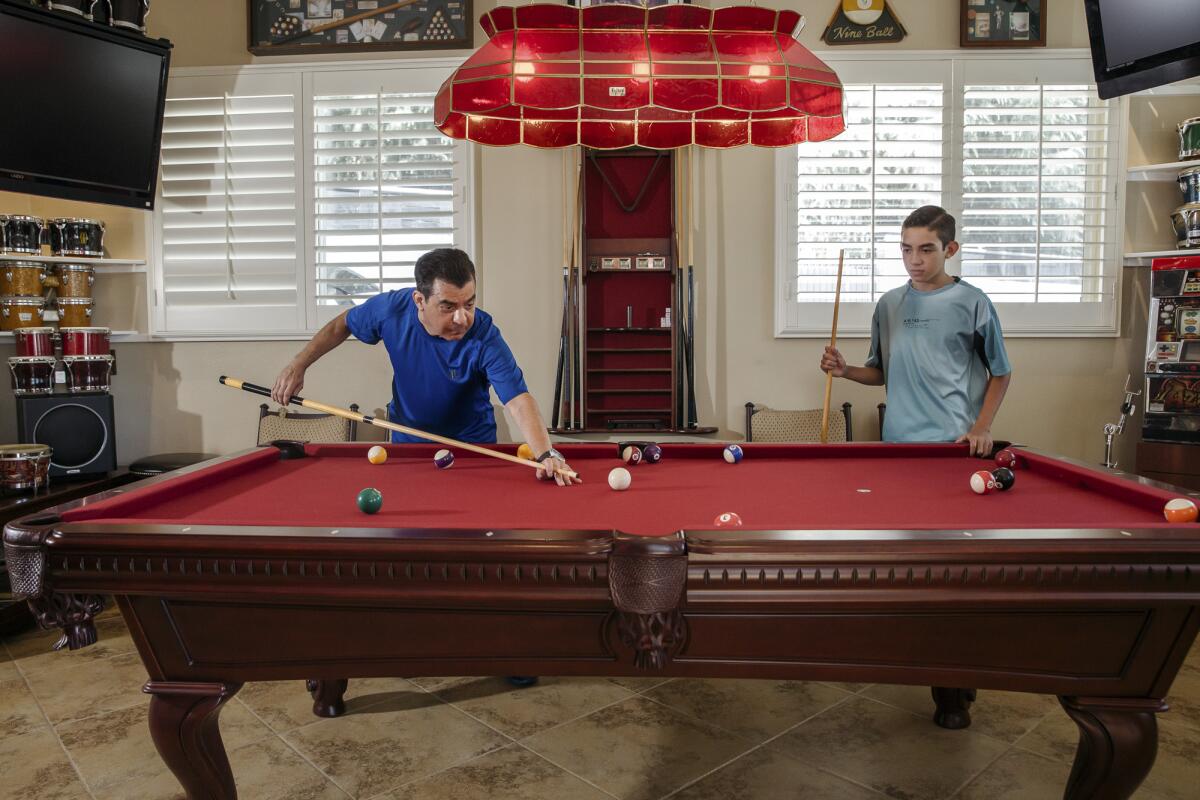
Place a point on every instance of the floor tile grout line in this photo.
(962, 786)
(390, 789)
(1012, 748)
(289, 746)
(536, 754)
(53, 731)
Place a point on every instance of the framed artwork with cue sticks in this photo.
(303, 27)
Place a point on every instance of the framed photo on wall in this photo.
(300, 27)
(1003, 23)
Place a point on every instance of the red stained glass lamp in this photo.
(613, 75)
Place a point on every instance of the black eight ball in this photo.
(1004, 478)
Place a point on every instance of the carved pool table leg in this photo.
(327, 697)
(953, 707)
(183, 725)
(1118, 740)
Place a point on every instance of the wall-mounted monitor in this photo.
(83, 107)
(1140, 44)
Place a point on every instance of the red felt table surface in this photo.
(776, 487)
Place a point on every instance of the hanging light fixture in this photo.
(614, 75)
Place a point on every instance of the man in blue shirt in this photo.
(445, 356)
(936, 343)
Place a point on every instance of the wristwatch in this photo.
(551, 453)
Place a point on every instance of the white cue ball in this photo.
(619, 479)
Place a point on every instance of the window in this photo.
(288, 195)
(384, 192)
(229, 207)
(1025, 165)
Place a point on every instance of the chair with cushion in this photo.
(284, 424)
(765, 424)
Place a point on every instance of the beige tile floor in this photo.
(73, 725)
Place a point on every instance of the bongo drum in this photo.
(130, 14)
(87, 373)
(1186, 222)
(32, 374)
(74, 236)
(24, 465)
(21, 234)
(34, 341)
(81, 7)
(74, 312)
(21, 312)
(1189, 139)
(75, 280)
(85, 341)
(1189, 184)
(21, 279)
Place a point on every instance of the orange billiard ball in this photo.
(1180, 509)
(526, 452)
(377, 455)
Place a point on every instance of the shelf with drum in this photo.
(101, 264)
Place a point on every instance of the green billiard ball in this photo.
(370, 501)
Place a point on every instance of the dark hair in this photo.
(936, 219)
(447, 264)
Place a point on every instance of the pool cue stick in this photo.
(837, 298)
(677, 319)
(337, 23)
(562, 335)
(578, 378)
(562, 353)
(690, 351)
(345, 413)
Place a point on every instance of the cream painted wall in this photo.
(168, 397)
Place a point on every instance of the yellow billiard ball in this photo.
(377, 455)
(526, 452)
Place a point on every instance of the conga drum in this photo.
(21, 278)
(21, 312)
(21, 235)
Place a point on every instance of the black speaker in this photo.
(78, 427)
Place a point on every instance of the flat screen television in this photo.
(83, 107)
(1140, 44)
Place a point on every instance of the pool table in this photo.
(856, 562)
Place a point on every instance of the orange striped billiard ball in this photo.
(1180, 510)
(526, 452)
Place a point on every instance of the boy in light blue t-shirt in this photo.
(936, 344)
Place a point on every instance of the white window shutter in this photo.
(229, 210)
(388, 186)
(1036, 224)
(852, 193)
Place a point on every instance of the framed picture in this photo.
(1003, 23)
(301, 27)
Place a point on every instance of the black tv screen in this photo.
(1143, 44)
(83, 108)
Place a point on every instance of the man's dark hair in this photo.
(447, 264)
(936, 219)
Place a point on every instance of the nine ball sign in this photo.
(863, 22)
